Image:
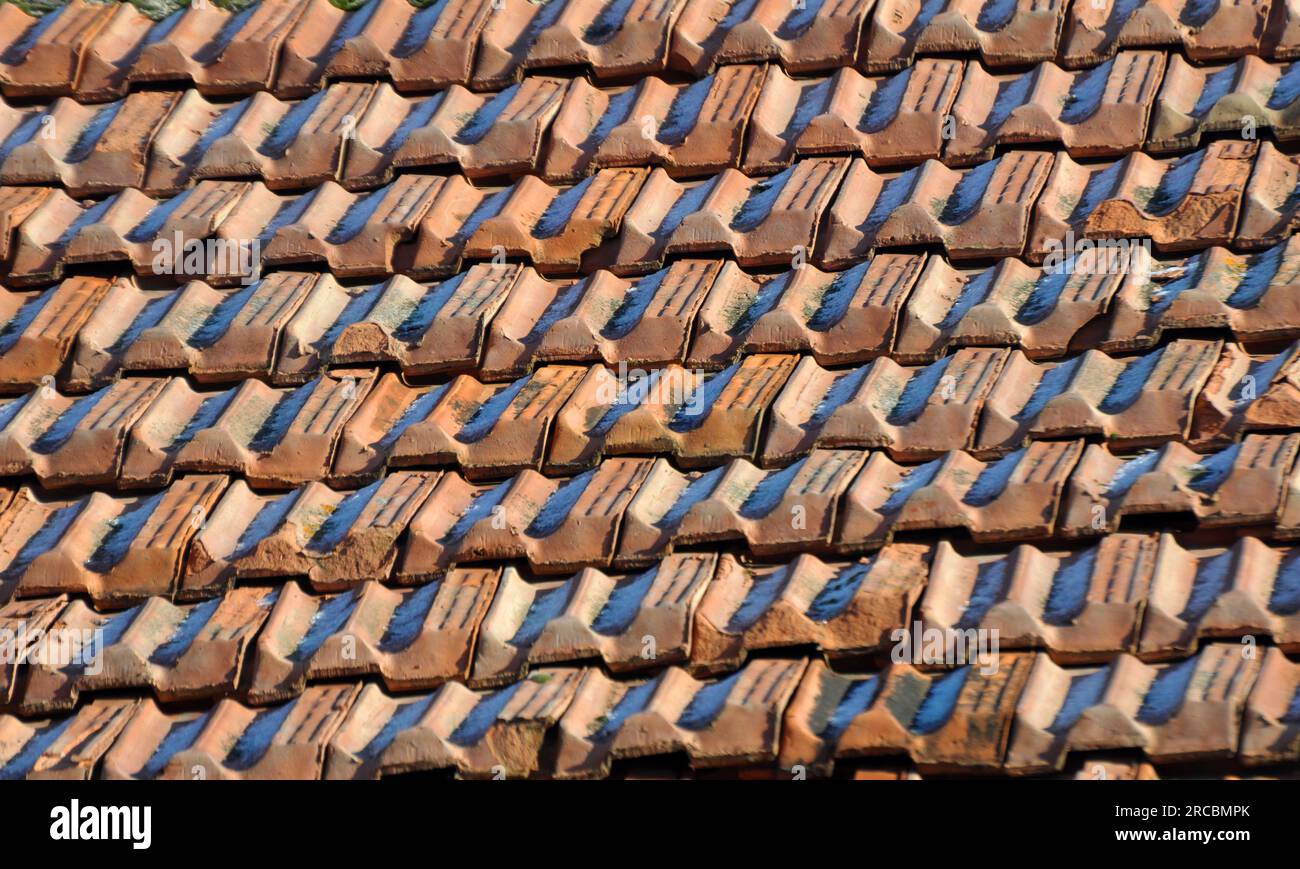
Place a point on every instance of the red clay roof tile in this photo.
(68, 748)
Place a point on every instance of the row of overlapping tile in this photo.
(747, 117)
(830, 212)
(346, 426)
(97, 51)
(501, 322)
(1019, 714)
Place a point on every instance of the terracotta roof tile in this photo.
(916, 413)
(1132, 401)
(1093, 112)
(116, 550)
(487, 430)
(22, 625)
(841, 608)
(1181, 203)
(946, 721)
(484, 135)
(1045, 312)
(41, 328)
(1182, 711)
(37, 234)
(181, 653)
(554, 227)
(1200, 594)
(1247, 393)
(1269, 733)
(213, 335)
(1249, 296)
(1196, 100)
(43, 56)
(479, 734)
(419, 47)
(979, 212)
(821, 35)
(630, 622)
(63, 748)
(1242, 484)
(87, 149)
(276, 438)
(219, 50)
(614, 40)
(356, 234)
(1011, 498)
(412, 639)
(699, 419)
(894, 120)
(558, 525)
(732, 720)
(1008, 34)
(334, 539)
(232, 741)
(72, 440)
(1095, 31)
(16, 204)
(1083, 605)
(1268, 212)
(689, 129)
(775, 512)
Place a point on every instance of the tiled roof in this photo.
(589, 388)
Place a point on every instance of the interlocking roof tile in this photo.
(1269, 733)
(554, 227)
(1132, 401)
(333, 539)
(734, 720)
(1197, 100)
(979, 212)
(480, 734)
(484, 135)
(558, 525)
(1242, 484)
(1004, 34)
(487, 430)
(1250, 296)
(1201, 594)
(1045, 312)
(181, 653)
(841, 608)
(22, 624)
(614, 39)
(116, 550)
(630, 622)
(43, 56)
(916, 413)
(72, 440)
(689, 129)
(219, 50)
(1093, 112)
(894, 120)
(1268, 209)
(39, 329)
(214, 335)
(1011, 498)
(1180, 203)
(412, 638)
(760, 221)
(87, 149)
(1082, 605)
(37, 232)
(822, 34)
(1247, 393)
(1181, 711)
(232, 741)
(1095, 31)
(62, 748)
(838, 317)
(276, 438)
(699, 419)
(775, 512)
(946, 721)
